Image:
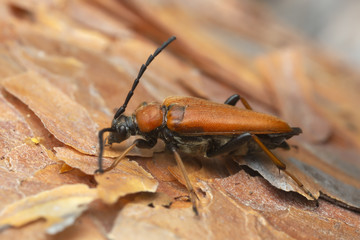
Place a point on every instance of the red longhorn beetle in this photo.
(198, 126)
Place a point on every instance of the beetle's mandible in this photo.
(198, 126)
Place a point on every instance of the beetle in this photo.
(198, 126)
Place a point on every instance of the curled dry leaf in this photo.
(128, 177)
(68, 121)
(85, 163)
(279, 179)
(60, 207)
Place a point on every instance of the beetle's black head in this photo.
(124, 127)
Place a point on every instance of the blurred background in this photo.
(331, 24)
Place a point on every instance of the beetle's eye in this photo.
(122, 131)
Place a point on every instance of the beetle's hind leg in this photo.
(230, 146)
(281, 166)
(232, 100)
(193, 197)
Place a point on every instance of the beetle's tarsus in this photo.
(232, 100)
(99, 171)
(195, 210)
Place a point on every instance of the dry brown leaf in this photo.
(262, 164)
(50, 177)
(13, 127)
(37, 127)
(26, 159)
(65, 119)
(60, 207)
(85, 163)
(128, 177)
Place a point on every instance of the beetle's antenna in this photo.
(101, 147)
(141, 72)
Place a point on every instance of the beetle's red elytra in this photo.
(198, 126)
(189, 115)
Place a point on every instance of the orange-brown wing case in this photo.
(194, 116)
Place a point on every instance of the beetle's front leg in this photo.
(142, 143)
(230, 146)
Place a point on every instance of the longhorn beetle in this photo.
(198, 126)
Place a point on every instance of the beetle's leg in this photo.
(140, 143)
(193, 196)
(231, 145)
(232, 100)
(281, 166)
(116, 162)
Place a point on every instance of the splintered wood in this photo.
(65, 68)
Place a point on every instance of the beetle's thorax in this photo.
(149, 117)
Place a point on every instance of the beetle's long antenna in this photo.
(101, 147)
(141, 72)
